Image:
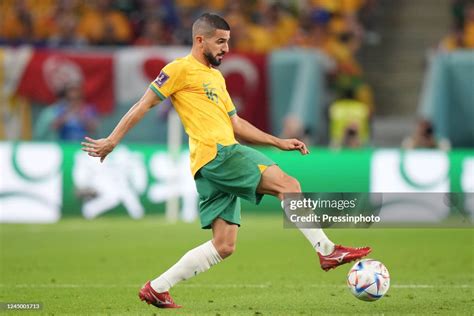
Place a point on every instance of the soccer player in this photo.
(224, 170)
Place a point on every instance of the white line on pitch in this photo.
(263, 285)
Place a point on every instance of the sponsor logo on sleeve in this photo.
(161, 79)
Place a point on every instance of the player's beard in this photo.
(211, 59)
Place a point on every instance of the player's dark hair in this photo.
(207, 23)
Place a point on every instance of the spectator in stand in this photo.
(66, 33)
(349, 121)
(457, 11)
(334, 38)
(192, 5)
(351, 137)
(469, 25)
(346, 32)
(424, 137)
(74, 118)
(279, 24)
(317, 35)
(181, 35)
(263, 25)
(452, 41)
(30, 22)
(153, 34)
(362, 92)
(16, 23)
(149, 14)
(101, 24)
(346, 7)
(246, 37)
(240, 37)
(462, 35)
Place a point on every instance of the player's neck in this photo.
(200, 58)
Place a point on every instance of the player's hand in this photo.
(293, 144)
(97, 147)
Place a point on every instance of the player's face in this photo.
(216, 47)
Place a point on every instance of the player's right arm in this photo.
(104, 146)
(171, 79)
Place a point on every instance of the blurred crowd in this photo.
(334, 26)
(461, 35)
(258, 25)
(338, 28)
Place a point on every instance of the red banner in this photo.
(245, 74)
(49, 71)
(246, 80)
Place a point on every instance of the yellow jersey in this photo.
(200, 97)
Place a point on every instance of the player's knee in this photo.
(225, 249)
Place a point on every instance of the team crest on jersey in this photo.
(161, 79)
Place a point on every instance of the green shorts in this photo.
(234, 173)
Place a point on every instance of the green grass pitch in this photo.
(97, 267)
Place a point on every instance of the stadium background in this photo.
(382, 91)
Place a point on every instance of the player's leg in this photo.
(195, 261)
(201, 258)
(224, 237)
(217, 210)
(275, 182)
(251, 175)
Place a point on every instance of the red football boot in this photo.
(342, 255)
(160, 300)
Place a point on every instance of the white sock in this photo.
(195, 261)
(317, 238)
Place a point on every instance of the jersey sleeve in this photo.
(169, 81)
(229, 105)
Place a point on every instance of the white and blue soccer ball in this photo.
(368, 280)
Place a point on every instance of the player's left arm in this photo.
(246, 131)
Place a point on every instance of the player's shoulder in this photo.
(181, 63)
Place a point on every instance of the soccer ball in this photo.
(368, 280)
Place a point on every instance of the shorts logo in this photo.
(161, 79)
